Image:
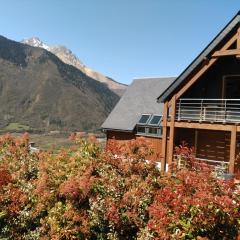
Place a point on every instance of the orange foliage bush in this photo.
(89, 193)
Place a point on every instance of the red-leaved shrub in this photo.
(88, 193)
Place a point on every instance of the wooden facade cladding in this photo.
(119, 136)
(215, 136)
(217, 146)
(155, 143)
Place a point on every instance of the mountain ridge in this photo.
(68, 57)
(39, 90)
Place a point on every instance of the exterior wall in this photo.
(156, 145)
(186, 135)
(211, 84)
(212, 145)
(122, 137)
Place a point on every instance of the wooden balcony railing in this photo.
(208, 110)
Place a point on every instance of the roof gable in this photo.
(235, 22)
(139, 98)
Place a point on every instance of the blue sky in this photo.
(122, 39)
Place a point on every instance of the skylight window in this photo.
(144, 119)
(155, 120)
(149, 125)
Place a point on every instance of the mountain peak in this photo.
(68, 57)
(35, 42)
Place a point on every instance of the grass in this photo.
(55, 142)
(16, 127)
(51, 141)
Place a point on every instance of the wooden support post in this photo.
(233, 149)
(196, 142)
(172, 131)
(164, 137)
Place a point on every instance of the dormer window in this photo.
(149, 125)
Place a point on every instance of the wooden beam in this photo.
(238, 41)
(196, 77)
(207, 126)
(204, 68)
(238, 38)
(224, 53)
(164, 137)
(172, 131)
(233, 149)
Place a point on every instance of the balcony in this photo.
(208, 110)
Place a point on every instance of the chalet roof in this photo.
(200, 58)
(140, 97)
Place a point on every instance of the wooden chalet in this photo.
(138, 114)
(202, 105)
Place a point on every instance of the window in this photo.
(144, 119)
(149, 124)
(153, 131)
(155, 120)
(141, 129)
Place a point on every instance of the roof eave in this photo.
(117, 130)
